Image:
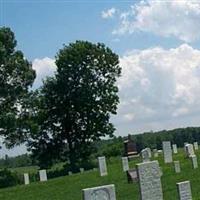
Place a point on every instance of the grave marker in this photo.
(26, 179)
(106, 192)
(196, 146)
(194, 161)
(149, 181)
(167, 150)
(102, 166)
(184, 190)
(177, 166)
(125, 164)
(43, 175)
(145, 155)
(174, 147)
(155, 153)
(189, 150)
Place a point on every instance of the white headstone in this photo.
(106, 192)
(43, 175)
(189, 150)
(102, 166)
(149, 180)
(184, 190)
(81, 170)
(145, 155)
(125, 164)
(174, 147)
(167, 150)
(177, 166)
(194, 161)
(26, 179)
(69, 173)
(196, 146)
(155, 153)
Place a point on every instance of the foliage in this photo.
(16, 76)
(74, 107)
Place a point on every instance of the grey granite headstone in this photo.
(167, 151)
(145, 155)
(177, 167)
(184, 190)
(194, 161)
(174, 147)
(102, 166)
(106, 192)
(26, 179)
(125, 164)
(196, 146)
(43, 175)
(149, 181)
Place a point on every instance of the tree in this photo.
(16, 77)
(75, 106)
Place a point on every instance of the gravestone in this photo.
(43, 175)
(132, 175)
(106, 192)
(26, 179)
(149, 181)
(194, 161)
(167, 151)
(102, 166)
(149, 151)
(174, 147)
(145, 155)
(130, 147)
(196, 146)
(177, 166)
(160, 151)
(184, 190)
(185, 143)
(69, 173)
(155, 153)
(81, 170)
(189, 150)
(125, 164)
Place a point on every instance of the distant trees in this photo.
(74, 107)
(16, 77)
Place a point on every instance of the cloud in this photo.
(108, 13)
(44, 67)
(159, 88)
(178, 18)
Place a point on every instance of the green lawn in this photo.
(69, 187)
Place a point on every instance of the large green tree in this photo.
(74, 107)
(16, 77)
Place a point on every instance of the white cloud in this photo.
(108, 13)
(177, 18)
(159, 88)
(44, 67)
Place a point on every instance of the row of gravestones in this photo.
(149, 181)
(148, 174)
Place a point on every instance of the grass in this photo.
(69, 187)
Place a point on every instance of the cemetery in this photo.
(120, 178)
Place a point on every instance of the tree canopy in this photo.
(74, 107)
(16, 77)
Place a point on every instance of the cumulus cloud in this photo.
(178, 18)
(108, 13)
(159, 87)
(44, 67)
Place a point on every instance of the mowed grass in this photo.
(69, 187)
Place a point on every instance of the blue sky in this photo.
(158, 43)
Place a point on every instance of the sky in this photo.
(158, 43)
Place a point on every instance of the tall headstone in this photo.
(189, 150)
(102, 166)
(155, 153)
(130, 147)
(145, 155)
(177, 167)
(26, 179)
(196, 146)
(125, 164)
(106, 192)
(184, 190)
(194, 161)
(43, 175)
(167, 150)
(149, 181)
(174, 147)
